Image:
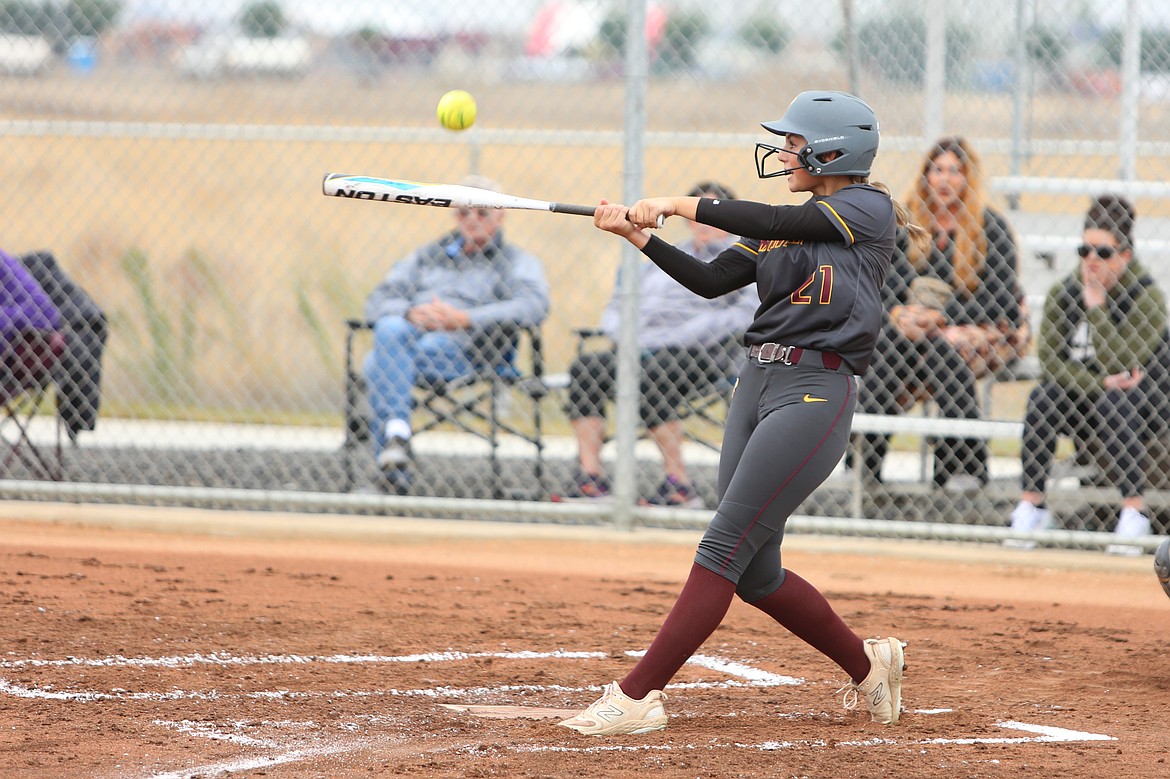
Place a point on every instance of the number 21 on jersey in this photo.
(823, 291)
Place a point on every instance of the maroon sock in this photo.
(700, 608)
(801, 608)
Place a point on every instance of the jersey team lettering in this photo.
(769, 245)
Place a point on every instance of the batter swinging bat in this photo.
(440, 195)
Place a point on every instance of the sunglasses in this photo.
(1104, 252)
(482, 213)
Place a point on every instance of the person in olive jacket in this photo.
(1102, 350)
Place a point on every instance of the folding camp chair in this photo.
(471, 404)
(26, 383)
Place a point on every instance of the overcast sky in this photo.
(409, 16)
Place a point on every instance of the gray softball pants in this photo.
(787, 428)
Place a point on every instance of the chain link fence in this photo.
(169, 156)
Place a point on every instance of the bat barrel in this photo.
(441, 195)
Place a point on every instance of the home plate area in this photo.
(325, 718)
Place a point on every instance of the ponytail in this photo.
(919, 235)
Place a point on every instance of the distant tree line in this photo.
(67, 20)
(59, 21)
(894, 45)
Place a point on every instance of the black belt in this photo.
(794, 355)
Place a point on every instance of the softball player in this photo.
(819, 268)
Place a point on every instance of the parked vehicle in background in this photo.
(24, 55)
(221, 56)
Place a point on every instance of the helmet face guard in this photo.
(829, 122)
(772, 161)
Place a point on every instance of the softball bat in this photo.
(439, 195)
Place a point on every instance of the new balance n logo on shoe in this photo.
(882, 686)
(611, 714)
(616, 714)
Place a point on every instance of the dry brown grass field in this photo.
(252, 270)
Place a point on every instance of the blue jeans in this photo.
(404, 356)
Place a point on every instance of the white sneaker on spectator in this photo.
(396, 454)
(1130, 524)
(963, 484)
(1027, 517)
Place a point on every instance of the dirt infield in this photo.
(161, 643)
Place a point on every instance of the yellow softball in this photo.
(456, 110)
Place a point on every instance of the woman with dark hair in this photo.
(1100, 337)
(953, 311)
(819, 268)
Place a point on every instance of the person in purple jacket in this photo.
(24, 307)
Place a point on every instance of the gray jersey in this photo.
(823, 295)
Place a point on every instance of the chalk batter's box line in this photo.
(746, 676)
(275, 752)
(749, 676)
(756, 676)
(296, 755)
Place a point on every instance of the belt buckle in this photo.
(772, 352)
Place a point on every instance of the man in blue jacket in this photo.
(431, 315)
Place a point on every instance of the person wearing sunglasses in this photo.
(953, 313)
(433, 314)
(1102, 349)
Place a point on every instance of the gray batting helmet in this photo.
(828, 122)
(1162, 565)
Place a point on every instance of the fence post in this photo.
(629, 364)
(1131, 76)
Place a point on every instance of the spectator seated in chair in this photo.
(84, 329)
(25, 310)
(429, 313)
(1104, 354)
(689, 346)
(30, 345)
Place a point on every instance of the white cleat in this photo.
(617, 714)
(882, 686)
